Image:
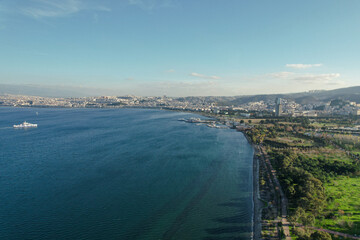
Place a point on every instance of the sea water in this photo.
(122, 174)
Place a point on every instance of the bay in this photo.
(122, 174)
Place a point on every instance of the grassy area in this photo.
(356, 152)
(306, 173)
(343, 208)
(293, 236)
(246, 120)
(328, 152)
(347, 138)
(294, 141)
(327, 125)
(269, 230)
(288, 123)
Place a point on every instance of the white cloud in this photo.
(150, 5)
(170, 71)
(327, 78)
(58, 8)
(204, 76)
(303, 66)
(282, 75)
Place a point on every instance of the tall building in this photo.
(278, 107)
(356, 112)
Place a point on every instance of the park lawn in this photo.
(295, 141)
(356, 152)
(348, 139)
(344, 207)
(289, 123)
(246, 120)
(319, 125)
(328, 152)
(292, 234)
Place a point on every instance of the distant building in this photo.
(278, 107)
(247, 115)
(356, 112)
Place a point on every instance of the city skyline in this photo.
(181, 48)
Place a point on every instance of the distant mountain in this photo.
(255, 98)
(53, 91)
(349, 90)
(349, 94)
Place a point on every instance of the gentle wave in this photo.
(122, 174)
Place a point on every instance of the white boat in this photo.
(25, 125)
(194, 120)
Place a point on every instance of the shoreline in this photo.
(257, 205)
(256, 197)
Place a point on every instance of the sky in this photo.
(181, 47)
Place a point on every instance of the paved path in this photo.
(283, 199)
(336, 233)
(331, 231)
(256, 196)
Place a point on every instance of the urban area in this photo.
(306, 160)
(216, 105)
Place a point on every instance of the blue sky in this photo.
(181, 47)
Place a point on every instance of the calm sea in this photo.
(121, 174)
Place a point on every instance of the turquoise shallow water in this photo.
(121, 174)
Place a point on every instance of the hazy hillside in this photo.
(53, 91)
(351, 94)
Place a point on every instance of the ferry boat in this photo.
(25, 125)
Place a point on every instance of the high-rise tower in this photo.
(278, 107)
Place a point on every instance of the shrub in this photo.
(320, 236)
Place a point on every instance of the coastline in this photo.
(256, 197)
(257, 204)
(256, 224)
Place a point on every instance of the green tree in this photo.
(320, 236)
(309, 220)
(297, 215)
